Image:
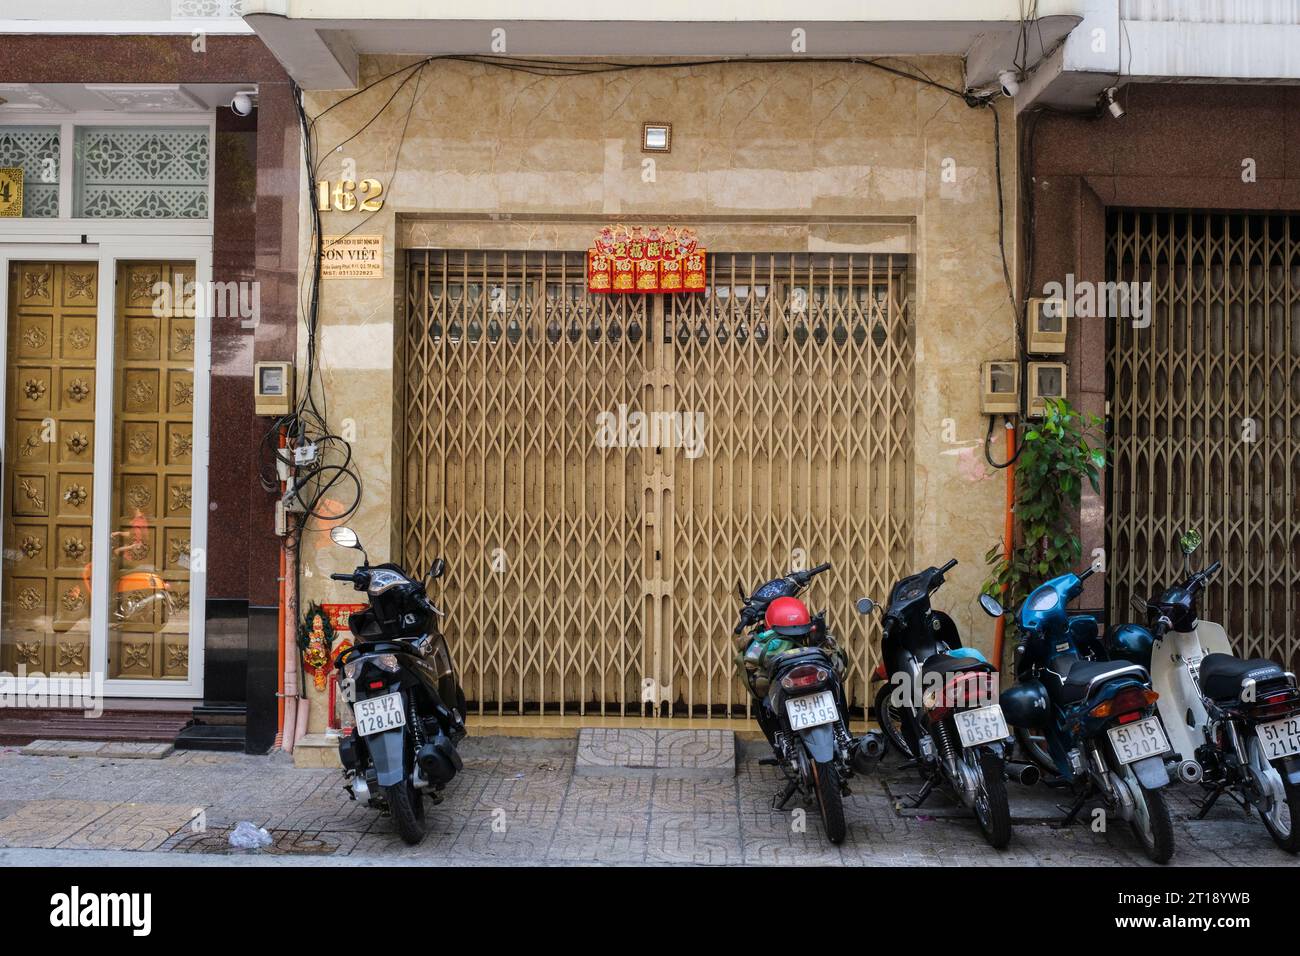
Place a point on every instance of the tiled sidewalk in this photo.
(521, 802)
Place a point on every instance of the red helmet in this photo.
(788, 617)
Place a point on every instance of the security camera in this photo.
(242, 104)
(1112, 104)
(1010, 81)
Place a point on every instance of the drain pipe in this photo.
(292, 710)
(1008, 532)
(279, 658)
(304, 703)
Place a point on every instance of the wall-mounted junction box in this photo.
(1047, 326)
(272, 388)
(1046, 380)
(1000, 388)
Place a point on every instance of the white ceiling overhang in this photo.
(46, 99)
(321, 51)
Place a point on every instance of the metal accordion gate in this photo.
(601, 470)
(1205, 409)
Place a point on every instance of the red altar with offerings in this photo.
(638, 259)
(338, 617)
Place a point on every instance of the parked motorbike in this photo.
(939, 705)
(1234, 722)
(1097, 716)
(398, 679)
(794, 670)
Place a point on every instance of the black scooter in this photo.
(940, 707)
(407, 706)
(799, 703)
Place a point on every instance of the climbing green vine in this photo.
(1058, 454)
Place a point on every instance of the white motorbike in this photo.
(1234, 722)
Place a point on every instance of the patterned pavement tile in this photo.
(504, 838)
(594, 797)
(601, 748)
(709, 838)
(47, 823)
(696, 750)
(616, 837)
(131, 826)
(693, 795)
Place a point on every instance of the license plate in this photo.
(981, 725)
(1138, 740)
(811, 711)
(1280, 738)
(378, 714)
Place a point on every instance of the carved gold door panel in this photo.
(599, 470)
(152, 498)
(49, 468)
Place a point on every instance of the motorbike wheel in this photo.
(407, 808)
(890, 720)
(826, 781)
(992, 808)
(1280, 824)
(1151, 824)
(1034, 749)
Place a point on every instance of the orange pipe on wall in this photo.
(1008, 532)
(279, 698)
(279, 632)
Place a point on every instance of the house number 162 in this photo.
(343, 196)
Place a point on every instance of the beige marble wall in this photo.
(776, 157)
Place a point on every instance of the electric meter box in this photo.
(272, 388)
(1000, 388)
(1047, 327)
(1046, 380)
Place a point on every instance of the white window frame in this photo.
(65, 227)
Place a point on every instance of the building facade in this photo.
(599, 470)
(140, 561)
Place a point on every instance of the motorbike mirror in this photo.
(345, 537)
(438, 568)
(1139, 605)
(740, 589)
(865, 605)
(1190, 541)
(992, 606)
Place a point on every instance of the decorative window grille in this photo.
(36, 150)
(134, 172)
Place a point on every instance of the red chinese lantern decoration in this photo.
(636, 259)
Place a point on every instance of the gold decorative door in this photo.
(152, 498)
(600, 470)
(49, 468)
(1205, 410)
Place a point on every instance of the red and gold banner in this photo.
(637, 259)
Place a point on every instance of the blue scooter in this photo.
(1097, 716)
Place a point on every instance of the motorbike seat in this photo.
(802, 655)
(952, 664)
(1222, 675)
(1068, 679)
